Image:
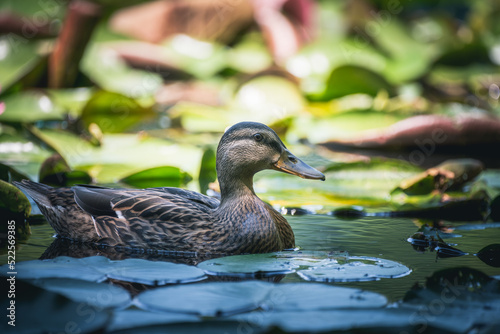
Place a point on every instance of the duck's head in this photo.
(248, 147)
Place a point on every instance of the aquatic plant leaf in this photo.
(208, 172)
(41, 311)
(146, 272)
(30, 106)
(121, 154)
(104, 67)
(13, 199)
(368, 182)
(213, 326)
(312, 266)
(450, 174)
(316, 296)
(99, 268)
(9, 174)
(19, 57)
(378, 320)
(97, 295)
(55, 171)
(352, 79)
(355, 269)
(60, 267)
(165, 176)
(129, 319)
(71, 100)
(207, 299)
(267, 99)
(490, 255)
(114, 112)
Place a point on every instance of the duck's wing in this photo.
(210, 202)
(148, 218)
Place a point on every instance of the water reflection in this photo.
(369, 236)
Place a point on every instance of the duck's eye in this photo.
(258, 137)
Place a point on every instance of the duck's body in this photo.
(181, 220)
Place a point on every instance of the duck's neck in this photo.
(236, 188)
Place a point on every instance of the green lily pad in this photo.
(206, 299)
(114, 112)
(18, 59)
(165, 176)
(60, 267)
(315, 296)
(206, 327)
(351, 79)
(262, 264)
(267, 99)
(29, 107)
(129, 319)
(355, 269)
(99, 268)
(13, 199)
(55, 171)
(71, 100)
(148, 272)
(40, 311)
(386, 320)
(98, 295)
(121, 154)
(104, 67)
(312, 266)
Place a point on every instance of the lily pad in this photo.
(128, 319)
(364, 320)
(55, 171)
(40, 311)
(60, 267)
(30, 106)
(262, 265)
(316, 296)
(312, 266)
(98, 295)
(13, 199)
(207, 299)
(165, 176)
(355, 269)
(351, 79)
(114, 112)
(18, 58)
(150, 272)
(99, 268)
(490, 255)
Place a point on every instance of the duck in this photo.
(180, 220)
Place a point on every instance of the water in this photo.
(376, 237)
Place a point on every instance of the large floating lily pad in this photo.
(312, 266)
(365, 320)
(208, 299)
(355, 268)
(316, 296)
(99, 268)
(41, 311)
(98, 295)
(150, 272)
(127, 319)
(60, 267)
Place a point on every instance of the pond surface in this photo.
(384, 238)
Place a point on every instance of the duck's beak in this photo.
(290, 164)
